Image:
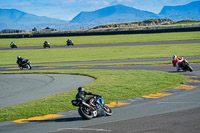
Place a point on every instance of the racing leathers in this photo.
(81, 95)
(177, 62)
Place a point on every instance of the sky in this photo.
(68, 9)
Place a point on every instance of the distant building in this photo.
(47, 29)
(34, 29)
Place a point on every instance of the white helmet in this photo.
(174, 57)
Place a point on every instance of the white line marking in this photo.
(178, 102)
(85, 129)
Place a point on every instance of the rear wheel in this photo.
(85, 112)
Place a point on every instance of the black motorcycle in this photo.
(95, 107)
(69, 43)
(25, 64)
(46, 45)
(186, 66)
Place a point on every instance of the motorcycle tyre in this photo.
(110, 111)
(190, 68)
(83, 115)
(29, 66)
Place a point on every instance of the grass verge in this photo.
(111, 84)
(101, 39)
(113, 64)
(100, 53)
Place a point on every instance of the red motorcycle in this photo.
(186, 66)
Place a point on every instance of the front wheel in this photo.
(29, 66)
(85, 112)
(107, 110)
(190, 68)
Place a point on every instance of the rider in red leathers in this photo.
(176, 61)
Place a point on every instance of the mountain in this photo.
(15, 19)
(188, 11)
(113, 14)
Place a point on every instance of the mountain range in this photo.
(182, 12)
(113, 14)
(15, 19)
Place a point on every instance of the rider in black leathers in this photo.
(19, 60)
(69, 42)
(81, 95)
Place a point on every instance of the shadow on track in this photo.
(70, 119)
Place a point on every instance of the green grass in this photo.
(113, 64)
(188, 22)
(100, 53)
(103, 39)
(113, 85)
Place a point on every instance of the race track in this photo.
(175, 113)
(171, 114)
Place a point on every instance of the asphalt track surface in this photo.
(178, 113)
(21, 88)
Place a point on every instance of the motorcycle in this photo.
(186, 66)
(25, 64)
(94, 108)
(46, 45)
(13, 45)
(69, 42)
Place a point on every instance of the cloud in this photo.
(25, 3)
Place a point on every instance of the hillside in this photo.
(112, 14)
(188, 11)
(12, 18)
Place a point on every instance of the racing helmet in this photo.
(80, 89)
(174, 57)
(18, 57)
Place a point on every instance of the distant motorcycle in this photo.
(46, 45)
(69, 43)
(13, 45)
(95, 108)
(186, 66)
(25, 64)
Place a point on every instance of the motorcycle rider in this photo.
(176, 61)
(69, 42)
(81, 95)
(20, 61)
(46, 43)
(12, 44)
